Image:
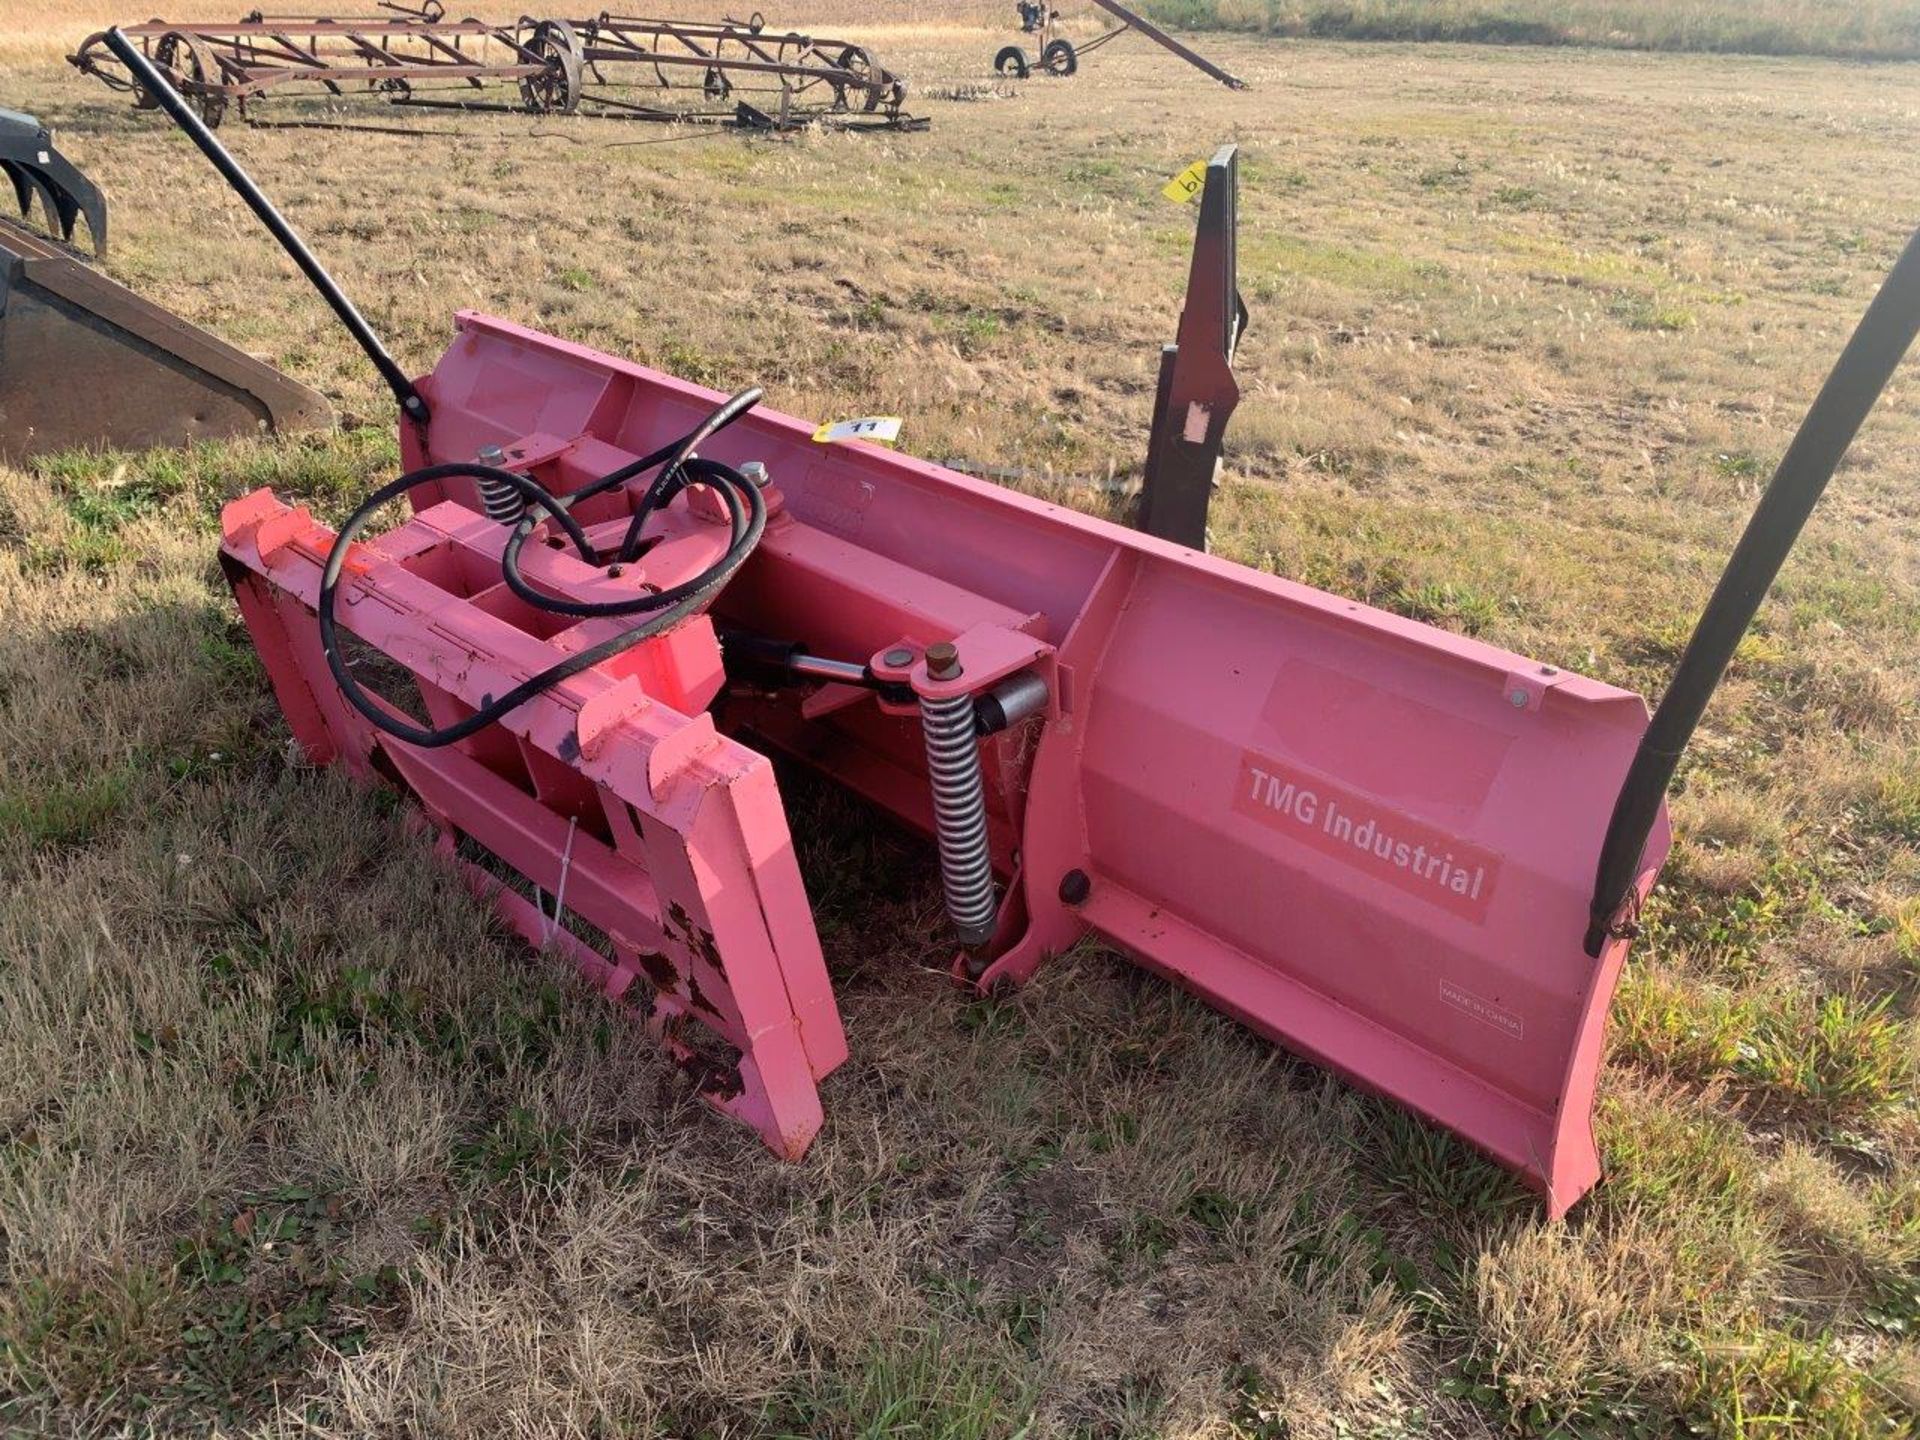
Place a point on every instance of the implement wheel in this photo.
(858, 62)
(1011, 61)
(1058, 58)
(556, 89)
(190, 67)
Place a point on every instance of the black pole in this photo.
(155, 84)
(1858, 377)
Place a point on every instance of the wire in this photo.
(680, 466)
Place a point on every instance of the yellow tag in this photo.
(1187, 184)
(881, 429)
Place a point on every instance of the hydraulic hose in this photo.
(747, 521)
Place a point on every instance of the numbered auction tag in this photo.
(1187, 184)
(881, 429)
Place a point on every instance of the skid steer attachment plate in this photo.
(609, 800)
(151, 378)
(1369, 839)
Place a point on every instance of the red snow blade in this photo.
(1369, 839)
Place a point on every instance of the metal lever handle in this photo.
(1861, 373)
(155, 84)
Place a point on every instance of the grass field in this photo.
(1859, 29)
(294, 1140)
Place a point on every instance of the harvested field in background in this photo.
(1845, 29)
(294, 1140)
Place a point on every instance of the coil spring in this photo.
(959, 814)
(504, 504)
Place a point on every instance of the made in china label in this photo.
(1425, 862)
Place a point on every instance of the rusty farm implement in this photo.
(1410, 856)
(618, 66)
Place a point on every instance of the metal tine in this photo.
(66, 208)
(50, 199)
(22, 191)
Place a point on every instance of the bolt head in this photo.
(900, 658)
(1075, 887)
(943, 661)
(1518, 699)
(756, 474)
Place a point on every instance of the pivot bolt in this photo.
(898, 658)
(943, 661)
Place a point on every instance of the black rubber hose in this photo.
(746, 515)
(668, 482)
(746, 509)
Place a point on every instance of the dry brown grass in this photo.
(294, 1141)
(1882, 29)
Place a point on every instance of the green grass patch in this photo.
(1669, 1154)
(1456, 606)
(1349, 267)
(1897, 811)
(104, 492)
(1731, 935)
(1840, 1053)
(519, 1148)
(1775, 1385)
(1652, 312)
(1426, 1165)
(928, 1388)
(266, 1286)
(87, 1339)
(53, 812)
(246, 1303)
(1666, 1021)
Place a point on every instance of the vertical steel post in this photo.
(1197, 391)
